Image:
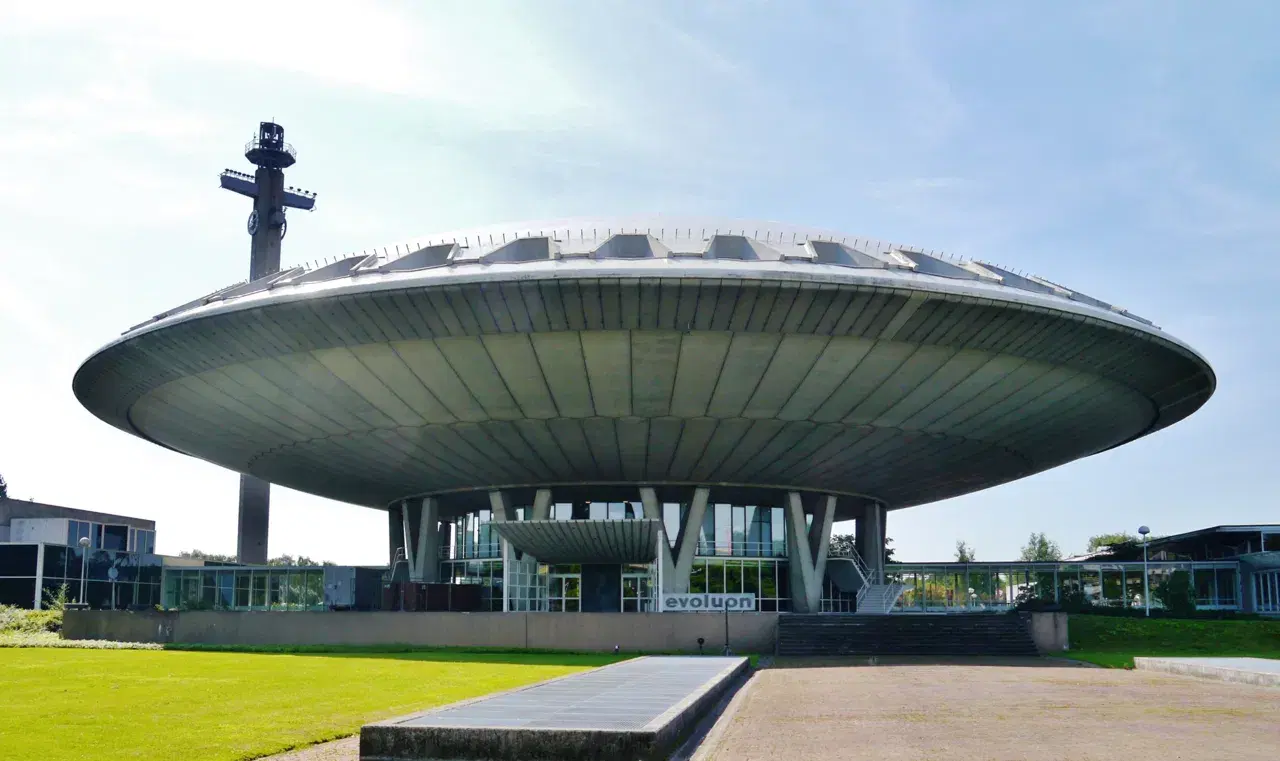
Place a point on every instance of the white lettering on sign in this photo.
(677, 603)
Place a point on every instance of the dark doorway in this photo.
(601, 588)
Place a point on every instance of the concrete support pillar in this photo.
(807, 550)
(869, 538)
(396, 555)
(500, 506)
(686, 544)
(666, 561)
(421, 522)
(541, 505)
(255, 513)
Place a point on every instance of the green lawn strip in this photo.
(1114, 642)
(224, 706)
(477, 652)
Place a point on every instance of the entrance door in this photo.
(637, 590)
(564, 592)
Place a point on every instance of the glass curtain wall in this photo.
(137, 582)
(216, 588)
(941, 588)
(729, 530)
(484, 573)
(766, 578)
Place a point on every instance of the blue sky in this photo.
(1127, 149)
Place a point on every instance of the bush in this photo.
(49, 639)
(19, 621)
(1176, 595)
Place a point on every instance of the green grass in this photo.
(1114, 642)
(223, 706)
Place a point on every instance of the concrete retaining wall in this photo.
(643, 632)
(1049, 631)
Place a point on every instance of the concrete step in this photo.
(844, 634)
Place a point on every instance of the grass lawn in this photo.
(1114, 642)
(202, 706)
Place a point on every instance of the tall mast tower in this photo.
(267, 227)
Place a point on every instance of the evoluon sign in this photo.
(719, 602)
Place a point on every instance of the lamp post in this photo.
(84, 565)
(1146, 574)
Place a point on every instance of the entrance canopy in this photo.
(584, 541)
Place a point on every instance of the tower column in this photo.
(266, 225)
(869, 538)
(254, 519)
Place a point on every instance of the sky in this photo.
(1127, 149)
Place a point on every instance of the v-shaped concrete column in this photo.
(678, 562)
(807, 550)
(420, 521)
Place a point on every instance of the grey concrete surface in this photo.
(634, 710)
(633, 632)
(1049, 631)
(993, 710)
(792, 372)
(1262, 672)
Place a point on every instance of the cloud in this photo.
(475, 59)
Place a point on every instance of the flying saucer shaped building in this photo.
(639, 395)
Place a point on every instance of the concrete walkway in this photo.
(900, 710)
(1262, 672)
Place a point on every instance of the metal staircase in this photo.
(874, 598)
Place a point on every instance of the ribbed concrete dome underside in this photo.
(900, 394)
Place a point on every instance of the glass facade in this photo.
(766, 578)
(944, 587)
(472, 537)
(136, 583)
(486, 573)
(1266, 591)
(733, 530)
(232, 588)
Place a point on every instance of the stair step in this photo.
(852, 634)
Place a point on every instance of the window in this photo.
(258, 596)
(115, 538)
(673, 515)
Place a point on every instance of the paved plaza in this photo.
(1000, 709)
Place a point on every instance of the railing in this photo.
(270, 145)
(742, 549)
(485, 551)
(869, 577)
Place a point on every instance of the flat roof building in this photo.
(578, 414)
(40, 551)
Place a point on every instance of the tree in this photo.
(842, 545)
(1103, 541)
(282, 561)
(212, 557)
(300, 561)
(1040, 549)
(845, 545)
(1176, 594)
(4, 489)
(965, 553)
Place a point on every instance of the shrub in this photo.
(1176, 595)
(19, 621)
(49, 639)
